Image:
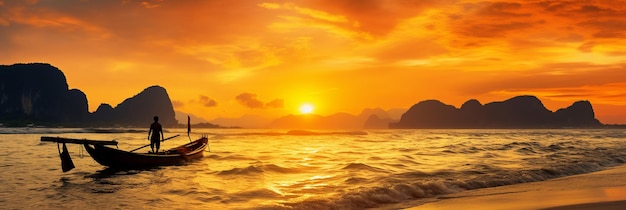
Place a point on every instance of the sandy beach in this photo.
(599, 190)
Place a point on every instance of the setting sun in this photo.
(330, 50)
(306, 109)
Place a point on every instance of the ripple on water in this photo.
(314, 171)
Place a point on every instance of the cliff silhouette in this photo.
(138, 110)
(38, 94)
(517, 112)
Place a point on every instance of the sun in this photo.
(306, 109)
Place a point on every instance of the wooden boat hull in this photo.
(116, 158)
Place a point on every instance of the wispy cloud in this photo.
(207, 102)
(251, 101)
(387, 53)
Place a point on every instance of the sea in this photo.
(283, 169)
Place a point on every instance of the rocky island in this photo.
(38, 94)
(517, 112)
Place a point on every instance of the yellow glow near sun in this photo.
(306, 109)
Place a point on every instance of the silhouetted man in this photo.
(153, 134)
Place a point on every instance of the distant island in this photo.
(38, 94)
(517, 112)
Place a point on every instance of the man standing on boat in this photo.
(153, 134)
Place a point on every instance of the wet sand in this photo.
(599, 190)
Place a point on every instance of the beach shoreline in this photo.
(604, 189)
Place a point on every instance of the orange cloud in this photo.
(611, 93)
(343, 55)
(251, 101)
(207, 102)
(177, 104)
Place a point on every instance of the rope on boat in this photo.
(207, 141)
(81, 151)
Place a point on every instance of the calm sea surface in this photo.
(267, 169)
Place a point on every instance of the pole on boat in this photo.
(188, 127)
(168, 138)
(189, 132)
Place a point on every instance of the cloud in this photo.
(315, 14)
(501, 9)
(587, 47)
(177, 104)
(495, 30)
(610, 93)
(375, 17)
(313, 45)
(493, 19)
(251, 101)
(150, 4)
(207, 102)
(553, 77)
(18, 16)
(543, 19)
(410, 49)
(276, 103)
(606, 28)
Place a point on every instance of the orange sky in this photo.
(224, 58)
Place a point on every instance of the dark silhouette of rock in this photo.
(76, 107)
(472, 114)
(430, 114)
(579, 114)
(366, 113)
(104, 115)
(517, 112)
(38, 93)
(376, 122)
(139, 110)
(369, 119)
(374, 118)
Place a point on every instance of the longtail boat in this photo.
(116, 158)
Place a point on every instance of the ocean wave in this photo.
(401, 192)
(254, 194)
(261, 169)
(362, 166)
(328, 172)
(526, 150)
(377, 196)
(355, 180)
(229, 157)
(417, 185)
(242, 171)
